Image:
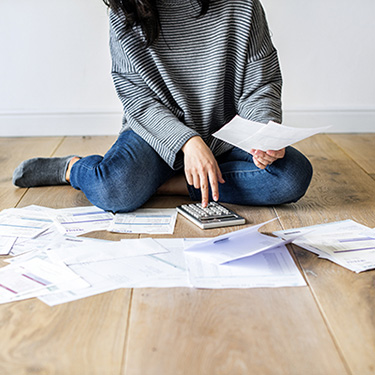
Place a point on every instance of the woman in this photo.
(183, 69)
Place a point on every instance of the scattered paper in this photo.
(80, 220)
(270, 268)
(249, 135)
(347, 243)
(145, 220)
(235, 245)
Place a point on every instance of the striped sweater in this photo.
(198, 75)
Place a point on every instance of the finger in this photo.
(219, 175)
(264, 162)
(204, 190)
(265, 158)
(197, 181)
(259, 164)
(189, 178)
(277, 154)
(214, 186)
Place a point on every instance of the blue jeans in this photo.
(131, 172)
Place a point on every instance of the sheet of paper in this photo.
(113, 274)
(106, 250)
(31, 278)
(249, 135)
(18, 223)
(145, 220)
(270, 268)
(6, 244)
(347, 243)
(234, 245)
(80, 220)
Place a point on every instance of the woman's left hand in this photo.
(263, 159)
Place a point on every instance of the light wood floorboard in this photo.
(324, 328)
(340, 190)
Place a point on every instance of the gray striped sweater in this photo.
(198, 75)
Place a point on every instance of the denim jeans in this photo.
(131, 172)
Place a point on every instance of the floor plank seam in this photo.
(126, 341)
(58, 145)
(21, 197)
(331, 332)
(348, 156)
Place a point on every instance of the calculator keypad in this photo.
(213, 216)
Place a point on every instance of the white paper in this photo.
(6, 244)
(35, 277)
(347, 243)
(18, 223)
(114, 274)
(235, 245)
(145, 220)
(80, 220)
(249, 135)
(106, 250)
(271, 268)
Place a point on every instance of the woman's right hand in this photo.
(201, 168)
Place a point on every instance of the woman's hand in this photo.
(263, 159)
(201, 168)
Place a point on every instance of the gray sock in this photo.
(42, 172)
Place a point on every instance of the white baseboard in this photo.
(109, 123)
(60, 124)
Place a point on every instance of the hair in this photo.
(144, 13)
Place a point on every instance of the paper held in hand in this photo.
(250, 135)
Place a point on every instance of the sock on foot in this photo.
(42, 172)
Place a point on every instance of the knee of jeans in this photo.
(116, 198)
(295, 183)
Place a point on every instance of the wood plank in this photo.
(252, 331)
(340, 190)
(360, 147)
(85, 337)
(13, 151)
(82, 337)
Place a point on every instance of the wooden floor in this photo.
(327, 327)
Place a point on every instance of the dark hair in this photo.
(145, 13)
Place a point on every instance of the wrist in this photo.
(191, 141)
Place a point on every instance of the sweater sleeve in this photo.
(262, 84)
(145, 112)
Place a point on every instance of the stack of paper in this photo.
(346, 243)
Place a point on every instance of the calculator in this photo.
(215, 215)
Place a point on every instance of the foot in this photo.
(42, 172)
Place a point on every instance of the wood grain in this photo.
(254, 331)
(13, 151)
(360, 147)
(79, 338)
(339, 190)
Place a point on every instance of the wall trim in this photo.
(109, 123)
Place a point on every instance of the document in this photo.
(80, 220)
(19, 223)
(249, 135)
(268, 269)
(35, 277)
(145, 220)
(103, 276)
(347, 243)
(235, 245)
(6, 244)
(105, 250)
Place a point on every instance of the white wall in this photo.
(55, 65)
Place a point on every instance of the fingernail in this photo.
(215, 198)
